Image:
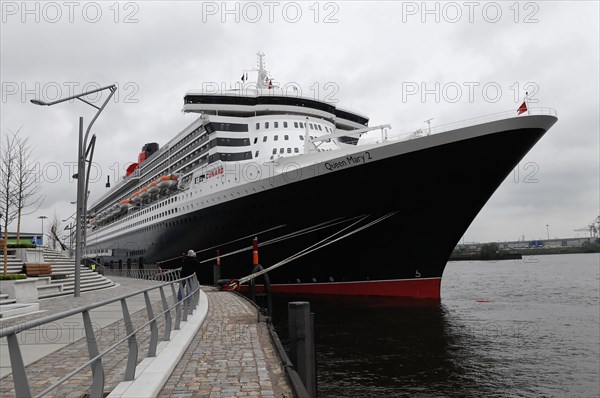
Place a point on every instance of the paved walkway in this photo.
(230, 356)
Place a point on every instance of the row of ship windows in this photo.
(167, 224)
(151, 218)
(311, 126)
(283, 150)
(153, 207)
(285, 137)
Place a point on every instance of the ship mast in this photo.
(262, 81)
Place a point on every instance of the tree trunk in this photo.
(19, 227)
(5, 252)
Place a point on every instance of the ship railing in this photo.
(156, 274)
(183, 306)
(460, 124)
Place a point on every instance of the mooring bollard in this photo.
(217, 269)
(302, 344)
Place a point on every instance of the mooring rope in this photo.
(319, 245)
(290, 235)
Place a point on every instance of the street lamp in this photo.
(70, 229)
(82, 185)
(42, 237)
(547, 231)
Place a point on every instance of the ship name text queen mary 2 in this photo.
(355, 210)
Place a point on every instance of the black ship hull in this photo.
(434, 193)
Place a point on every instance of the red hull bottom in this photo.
(426, 288)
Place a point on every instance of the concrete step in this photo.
(7, 301)
(12, 309)
(49, 289)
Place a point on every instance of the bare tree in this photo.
(56, 234)
(26, 184)
(7, 194)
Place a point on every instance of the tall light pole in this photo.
(42, 237)
(548, 231)
(82, 176)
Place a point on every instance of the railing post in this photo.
(302, 344)
(163, 298)
(18, 367)
(185, 298)
(97, 369)
(153, 327)
(196, 293)
(217, 269)
(177, 308)
(132, 343)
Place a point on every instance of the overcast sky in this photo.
(397, 62)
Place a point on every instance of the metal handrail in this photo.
(147, 274)
(189, 301)
(509, 114)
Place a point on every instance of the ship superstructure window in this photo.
(311, 126)
(286, 137)
(274, 151)
(281, 150)
(256, 154)
(296, 124)
(255, 140)
(230, 157)
(289, 150)
(296, 150)
(285, 125)
(258, 126)
(275, 138)
(301, 125)
(232, 141)
(265, 138)
(276, 124)
(236, 127)
(266, 125)
(301, 138)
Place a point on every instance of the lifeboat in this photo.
(143, 193)
(165, 182)
(125, 204)
(153, 188)
(135, 198)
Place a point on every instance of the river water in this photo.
(525, 328)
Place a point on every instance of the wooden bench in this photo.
(37, 269)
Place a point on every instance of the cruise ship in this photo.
(338, 207)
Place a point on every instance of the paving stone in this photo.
(231, 356)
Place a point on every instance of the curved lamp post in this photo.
(82, 186)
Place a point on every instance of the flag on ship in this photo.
(522, 108)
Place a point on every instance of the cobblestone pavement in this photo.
(230, 356)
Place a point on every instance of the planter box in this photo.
(22, 290)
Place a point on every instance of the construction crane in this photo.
(592, 228)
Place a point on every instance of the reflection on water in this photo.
(491, 335)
